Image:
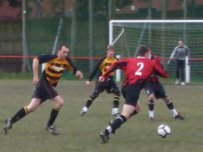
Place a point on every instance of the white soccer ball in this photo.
(164, 130)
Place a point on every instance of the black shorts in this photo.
(44, 91)
(108, 85)
(131, 93)
(156, 88)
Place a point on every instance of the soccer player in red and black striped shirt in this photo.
(155, 90)
(46, 86)
(136, 70)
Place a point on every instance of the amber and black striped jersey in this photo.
(102, 66)
(55, 67)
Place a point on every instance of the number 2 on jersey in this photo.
(140, 67)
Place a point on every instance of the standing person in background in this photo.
(180, 53)
(155, 90)
(109, 84)
(46, 86)
(136, 70)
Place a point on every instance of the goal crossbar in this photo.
(119, 23)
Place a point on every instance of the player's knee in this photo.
(58, 104)
(29, 109)
(137, 108)
(166, 100)
(151, 98)
(61, 103)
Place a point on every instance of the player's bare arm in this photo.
(35, 67)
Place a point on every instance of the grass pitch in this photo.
(81, 134)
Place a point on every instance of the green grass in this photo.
(81, 134)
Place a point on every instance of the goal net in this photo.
(162, 36)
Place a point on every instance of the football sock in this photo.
(116, 101)
(170, 105)
(115, 124)
(151, 105)
(19, 115)
(151, 108)
(174, 112)
(53, 116)
(88, 103)
(172, 109)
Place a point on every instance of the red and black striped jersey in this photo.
(137, 69)
(55, 67)
(154, 77)
(102, 66)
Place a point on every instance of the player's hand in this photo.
(79, 74)
(87, 82)
(101, 79)
(35, 80)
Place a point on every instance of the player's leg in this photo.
(33, 105)
(115, 90)
(161, 93)
(131, 95)
(115, 108)
(98, 89)
(151, 98)
(137, 109)
(170, 105)
(58, 104)
(89, 102)
(172, 108)
(127, 112)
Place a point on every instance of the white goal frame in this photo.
(112, 41)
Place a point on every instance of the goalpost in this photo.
(162, 36)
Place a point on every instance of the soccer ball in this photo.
(164, 130)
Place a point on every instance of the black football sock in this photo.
(151, 105)
(19, 115)
(53, 115)
(88, 103)
(170, 105)
(115, 124)
(116, 102)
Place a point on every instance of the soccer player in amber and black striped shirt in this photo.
(109, 84)
(46, 86)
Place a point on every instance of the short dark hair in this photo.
(142, 50)
(61, 45)
(110, 47)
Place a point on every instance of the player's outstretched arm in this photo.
(114, 66)
(159, 70)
